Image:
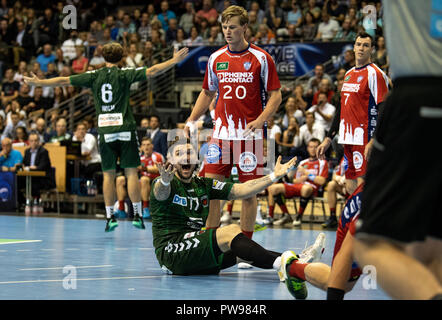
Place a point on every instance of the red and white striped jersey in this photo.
(151, 161)
(241, 80)
(316, 167)
(363, 89)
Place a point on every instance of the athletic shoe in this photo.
(226, 219)
(259, 227)
(146, 214)
(330, 223)
(244, 265)
(138, 222)
(298, 220)
(268, 221)
(283, 220)
(120, 214)
(296, 286)
(111, 224)
(315, 251)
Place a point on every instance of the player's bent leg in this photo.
(306, 193)
(248, 215)
(429, 253)
(332, 189)
(392, 266)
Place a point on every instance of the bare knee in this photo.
(306, 191)
(225, 235)
(121, 181)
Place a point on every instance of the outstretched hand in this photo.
(179, 56)
(167, 171)
(281, 170)
(33, 80)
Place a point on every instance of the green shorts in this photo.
(190, 253)
(126, 151)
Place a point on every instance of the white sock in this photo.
(109, 211)
(137, 208)
(277, 263)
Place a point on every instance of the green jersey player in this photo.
(180, 206)
(116, 124)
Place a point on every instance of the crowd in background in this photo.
(33, 40)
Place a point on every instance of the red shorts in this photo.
(294, 190)
(354, 155)
(246, 154)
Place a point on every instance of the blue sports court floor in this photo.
(37, 255)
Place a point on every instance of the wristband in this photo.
(311, 177)
(164, 183)
(273, 177)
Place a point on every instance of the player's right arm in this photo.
(161, 188)
(53, 82)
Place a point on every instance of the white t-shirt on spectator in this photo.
(89, 145)
(329, 110)
(68, 48)
(299, 116)
(329, 29)
(305, 135)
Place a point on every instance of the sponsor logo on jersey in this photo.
(247, 161)
(110, 119)
(182, 201)
(121, 136)
(247, 65)
(360, 78)
(235, 77)
(213, 153)
(347, 78)
(205, 201)
(222, 66)
(358, 160)
(218, 185)
(350, 87)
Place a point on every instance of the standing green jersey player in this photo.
(116, 124)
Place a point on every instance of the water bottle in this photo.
(28, 207)
(35, 207)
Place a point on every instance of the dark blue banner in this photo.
(8, 192)
(291, 59)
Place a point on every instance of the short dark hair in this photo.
(315, 140)
(364, 34)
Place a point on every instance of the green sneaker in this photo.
(259, 227)
(111, 224)
(138, 222)
(296, 287)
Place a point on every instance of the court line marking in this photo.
(57, 268)
(120, 278)
(24, 241)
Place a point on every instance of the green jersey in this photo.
(186, 209)
(110, 88)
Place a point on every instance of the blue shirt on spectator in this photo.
(13, 158)
(170, 15)
(44, 61)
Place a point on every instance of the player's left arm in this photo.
(178, 56)
(53, 82)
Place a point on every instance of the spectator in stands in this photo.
(24, 99)
(187, 18)
(275, 133)
(250, 35)
(165, 15)
(61, 132)
(328, 28)
(136, 17)
(352, 15)
(59, 97)
(10, 159)
(309, 28)
(144, 29)
(290, 145)
(9, 131)
(346, 33)
(89, 122)
(253, 21)
(324, 111)
(110, 23)
(314, 10)
(48, 28)
(311, 129)
(22, 71)
(60, 61)
(204, 29)
(97, 60)
(340, 74)
(96, 31)
(334, 187)
(260, 14)
(195, 39)
(37, 158)
(89, 148)
(69, 47)
(336, 10)
(172, 31)
(208, 12)
(80, 63)
(156, 26)
(313, 82)
(294, 16)
(21, 137)
(46, 57)
(52, 71)
(159, 138)
(10, 87)
(40, 129)
(134, 58)
(264, 35)
(23, 43)
(179, 42)
(324, 87)
(293, 109)
(349, 59)
(127, 28)
(380, 57)
(215, 36)
(40, 103)
(32, 26)
(298, 92)
(274, 16)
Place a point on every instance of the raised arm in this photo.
(250, 188)
(53, 82)
(178, 56)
